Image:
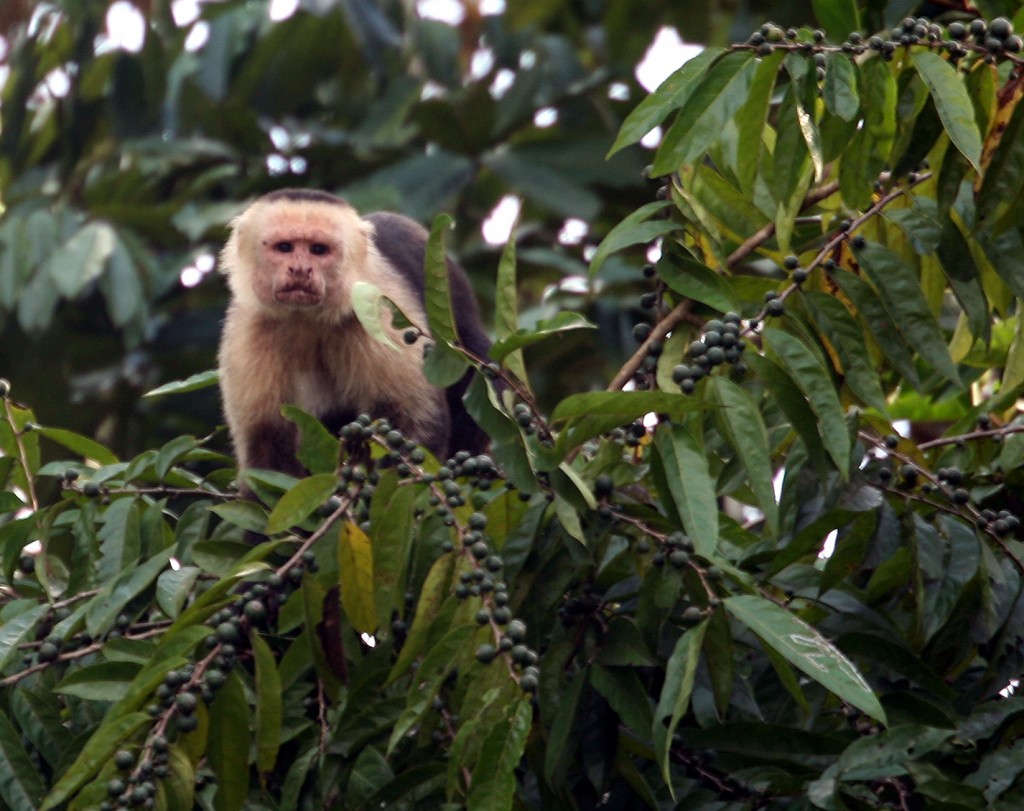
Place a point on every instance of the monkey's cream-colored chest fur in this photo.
(317, 367)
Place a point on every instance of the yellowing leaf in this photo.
(355, 572)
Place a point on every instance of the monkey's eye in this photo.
(319, 249)
(283, 247)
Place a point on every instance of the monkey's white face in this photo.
(296, 256)
(295, 266)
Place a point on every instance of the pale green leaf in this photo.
(808, 650)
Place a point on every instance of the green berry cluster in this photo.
(512, 642)
(720, 344)
(988, 41)
(677, 552)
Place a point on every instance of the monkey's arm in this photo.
(253, 382)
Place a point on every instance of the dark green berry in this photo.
(48, 652)
(691, 616)
(485, 654)
(124, 760)
(516, 630)
(186, 703)
(228, 631)
(775, 307)
(1000, 28)
(255, 611)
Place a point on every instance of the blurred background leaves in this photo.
(130, 134)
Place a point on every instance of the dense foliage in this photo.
(776, 564)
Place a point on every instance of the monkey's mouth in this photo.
(298, 295)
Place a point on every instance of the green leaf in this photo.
(83, 446)
(98, 682)
(506, 308)
(689, 481)
(841, 330)
(745, 429)
(195, 382)
(438, 301)
(958, 264)
(433, 670)
(563, 322)
(626, 694)
(806, 649)
(355, 570)
(443, 365)
(560, 744)
(21, 786)
(840, 89)
(790, 175)
(637, 228)
(14, 630)
(697, 281)
(301, 500)
(172, 453)
(879, 323)
(94, 755)
(428, 607)
(369, 305)
(839, 18)
(392, 518)
(318, 449)
(680, 673)
(173, 588)
(493, 787)
(900, 290)
(38, 716)
(750, 121)
(868, 151)
(113, 597)
(268, 704)
(815, 381)
(593, 413)
(671, 95)
(244, 514)
(370, 773)
(953, 103)
(1004, 176)
(81, 259)
(227, 749)
(711, 106)
(179, 787)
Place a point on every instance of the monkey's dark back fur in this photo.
(404, 243)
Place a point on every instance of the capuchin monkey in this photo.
(292, 337)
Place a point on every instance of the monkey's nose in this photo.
(304, 273)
